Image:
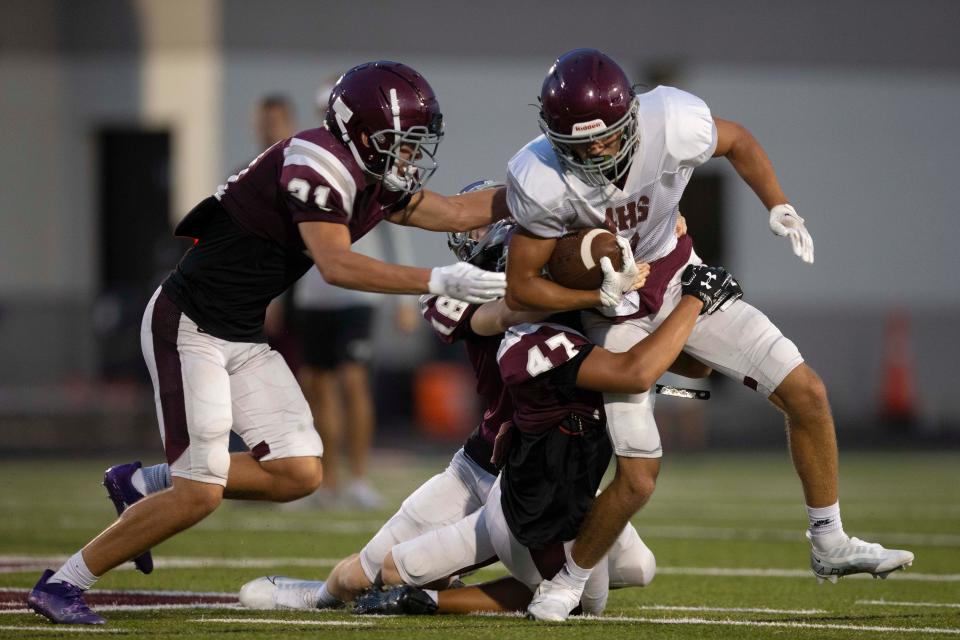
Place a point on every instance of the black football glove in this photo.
(716, 288)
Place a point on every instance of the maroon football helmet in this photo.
(586, 96)
(388, 116)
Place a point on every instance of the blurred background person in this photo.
(275, 119)
(333, 330)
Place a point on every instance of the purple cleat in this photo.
(61, 602)
(116, 479)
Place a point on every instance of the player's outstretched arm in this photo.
(704, 290)
(329, 244)
(527, 290)
(435, 212)
(637, 370)
(752, 163)
(737, 144)
(493, 318)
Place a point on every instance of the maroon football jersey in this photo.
(538, 363)
(309, 177)
(450, 321)
(557, 459)
(249, 248)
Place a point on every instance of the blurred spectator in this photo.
(334, 328)
(274, 120)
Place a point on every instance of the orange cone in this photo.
(898, 400)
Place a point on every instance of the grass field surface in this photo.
(727, 531)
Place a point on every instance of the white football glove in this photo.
(616, 283)
(784, 221)
(463, 281)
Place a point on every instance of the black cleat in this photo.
(402, 600)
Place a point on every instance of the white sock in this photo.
(433, 595)
(826, 527)
(75, 571)
(138, 482)
(325, 599)
(572, 574)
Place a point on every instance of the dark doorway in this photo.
(702, 205)
(136, 244)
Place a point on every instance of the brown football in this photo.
(575, 262)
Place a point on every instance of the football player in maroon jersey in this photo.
(556, 378)
(299, 204)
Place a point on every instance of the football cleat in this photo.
(402, 600)
(857, 556)
(277, 592)
(122, 493)
(553, 601)
(61, 602)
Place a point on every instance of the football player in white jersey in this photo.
(611, 158)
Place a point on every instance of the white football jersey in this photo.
(677, 134)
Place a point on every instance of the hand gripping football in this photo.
(575, 262)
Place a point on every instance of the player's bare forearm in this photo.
(527, 290)
(495, 317)
(435, 212)
(504, 594)
(737, 144)
(350, 270)
(329, 245)
(535, 293)
(637, 370)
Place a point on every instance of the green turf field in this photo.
(727, 532)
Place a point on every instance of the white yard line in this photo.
(944, 605)
(143, 607)
(306, 623)
(789, 535)
(666, 607)
(733, 572)
(768, 623)
(139, 592)
(35, 563)
(236, 522)
(59, 628)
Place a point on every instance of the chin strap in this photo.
(342, 114)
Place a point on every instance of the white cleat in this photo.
(277, 592)
(857, 556)
(553, 601)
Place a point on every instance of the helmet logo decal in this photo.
(341, 109)
(587, 127)
(395, 109)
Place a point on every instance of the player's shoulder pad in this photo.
(532, 349)
(689, 131)
(448, 318)
(536, 188)
(313, 171)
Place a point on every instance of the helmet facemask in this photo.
(408, 157)
(402, 159)
(485, 247)
(601, 171)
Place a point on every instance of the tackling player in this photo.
(559, 455)
(301, 203)
(611, 158)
